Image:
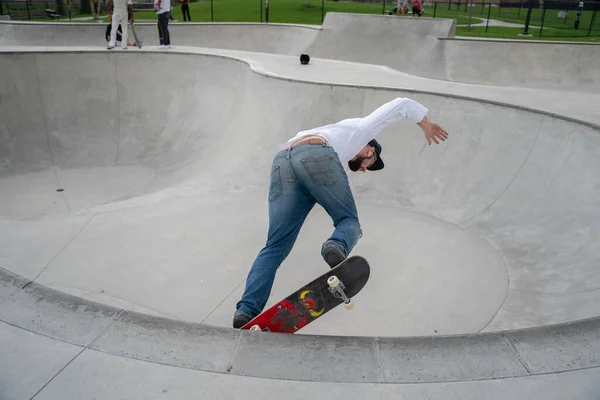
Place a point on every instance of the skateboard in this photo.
(137, 40)
(338, 286)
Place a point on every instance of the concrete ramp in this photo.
(409, 45)
(571, 66)
(427, 47)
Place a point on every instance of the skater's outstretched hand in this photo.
(433, 132)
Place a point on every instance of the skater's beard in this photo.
(356, 163)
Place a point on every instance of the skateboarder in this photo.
(309, 170)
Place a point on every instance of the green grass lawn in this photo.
(311, 12)
(280, 11)
(551, 19)
(283, 11)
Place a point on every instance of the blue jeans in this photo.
(300, 177)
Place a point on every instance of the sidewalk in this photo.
(494, 22)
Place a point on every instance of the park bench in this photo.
(52, 14)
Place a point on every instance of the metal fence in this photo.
(547, 18)
(542, 17)
(40, 9)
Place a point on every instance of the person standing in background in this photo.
(163, 10)
(123, 11)
(185, 9)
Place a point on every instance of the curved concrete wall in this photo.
(405, 44)
(103, 122)
(423, 47)
(269, 38)
(523, 63)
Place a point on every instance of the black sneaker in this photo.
(333, 253)
(240, 319)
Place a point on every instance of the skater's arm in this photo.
(432, 131)
(401, 108)
(395, 110)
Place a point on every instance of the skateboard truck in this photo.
(336, 287)
(258, 328)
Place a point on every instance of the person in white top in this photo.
(309, 170)
(163, 10)
(123, 9)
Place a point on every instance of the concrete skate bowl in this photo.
(424, 47)
(163, 207)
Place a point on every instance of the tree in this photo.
(84, 7)
(95, 11)
(470, 14)
(60, 7)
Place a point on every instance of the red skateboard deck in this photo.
(315, 299)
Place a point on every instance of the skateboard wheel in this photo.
(333, 281)
(350, 305)
(255, 328)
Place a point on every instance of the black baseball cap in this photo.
(377, 165)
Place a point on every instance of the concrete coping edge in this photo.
(495, 355)
(103, 24)
(257, 68)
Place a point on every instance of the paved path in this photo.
(495, 22)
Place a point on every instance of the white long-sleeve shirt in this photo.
(121, 6)
(349, 136)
